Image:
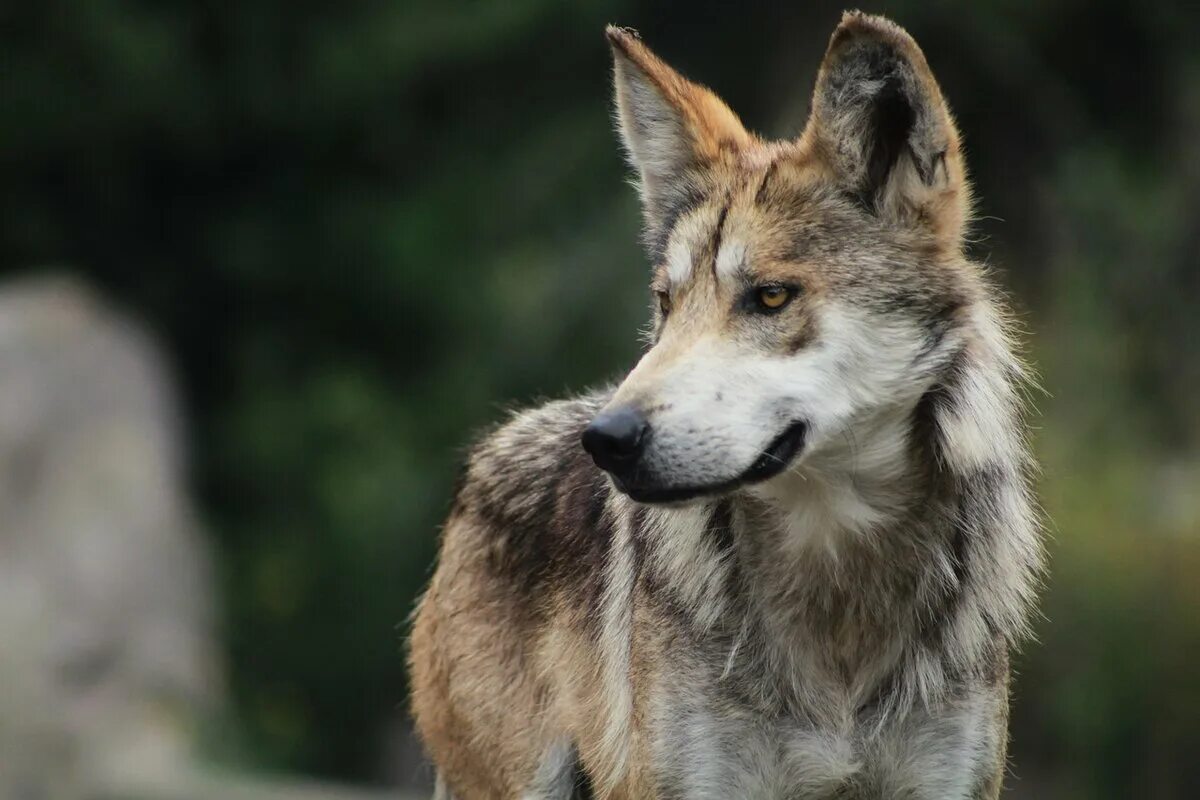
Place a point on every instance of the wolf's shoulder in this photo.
(532, 497)
(525, 455)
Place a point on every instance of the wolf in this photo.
(790, 554)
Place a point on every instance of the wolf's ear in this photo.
(669, 125)
(879, 121)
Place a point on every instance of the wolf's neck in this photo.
(794, 543)
(818, 578)
(856, 485)
(838, 553)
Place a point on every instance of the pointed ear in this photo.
(670, 126)
(879, 121)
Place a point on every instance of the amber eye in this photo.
(774, 298)
(664, 302)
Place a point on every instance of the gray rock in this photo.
(107, 654)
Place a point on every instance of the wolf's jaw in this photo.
(852, 489)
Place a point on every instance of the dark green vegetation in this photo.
(362, 228)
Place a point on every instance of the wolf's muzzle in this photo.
(615, 439)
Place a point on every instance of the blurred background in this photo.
(267, 266)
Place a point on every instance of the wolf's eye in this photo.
(664, 302)
(773, 298)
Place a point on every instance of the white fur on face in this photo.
(717, 406)
(687, 240)
(679, 262)
(731, 258)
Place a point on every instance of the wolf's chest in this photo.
(724, 752)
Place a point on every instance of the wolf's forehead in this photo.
(699, 241)
(715, 240)
(771, 205)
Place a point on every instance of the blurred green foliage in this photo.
(364, 227)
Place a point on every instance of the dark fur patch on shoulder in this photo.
(539, 502)
(582, 533)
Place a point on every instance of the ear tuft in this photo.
(858, 23)
(881, 123)
(620, 36)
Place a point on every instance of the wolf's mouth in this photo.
(778, 455)
(774, 459)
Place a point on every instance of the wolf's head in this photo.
(805, 291)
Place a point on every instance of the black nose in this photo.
(615, 439)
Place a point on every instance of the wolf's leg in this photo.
(560, 776)
(440, 791)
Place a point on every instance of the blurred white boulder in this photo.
(107, 652)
